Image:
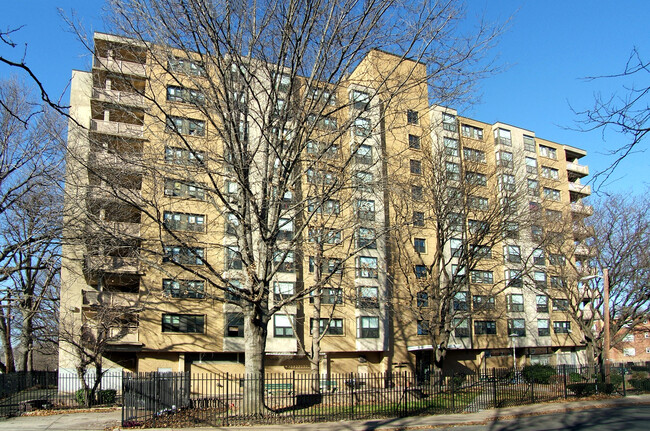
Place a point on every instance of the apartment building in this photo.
(150, 233)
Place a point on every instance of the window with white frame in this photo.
(367, 267)
(531, 165)
(451, 146)
(283, 289)
(367, 327)
(629, 351)
(548, 152)
(515, 302)
(503, 137)
(282, 327)
(448, 122)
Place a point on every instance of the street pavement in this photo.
(629, 413)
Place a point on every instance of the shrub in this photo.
(587, 389)
(641, 384)
(458, 380)
(538, 373)
(576, 377)
(107, 396)
(79, 396)
(640, 368)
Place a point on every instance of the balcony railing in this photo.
(116, 228)
(131, 162)
(118, 97)
(582, 232)
(582, 209)
(112, 264)
(579, 188)
(120, 66)
(581, 170)
(113, 193)
(93, 298)
(583, 250)
(115, 128)
(123, 335)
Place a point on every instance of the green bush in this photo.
(641, 384)
(538, 373)
(79, 396)
(614, 378)
(576, 377)
(587, 389)
(107, 396)
(458, 380)
(640, 368)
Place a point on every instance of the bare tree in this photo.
(625, 113)
(260, 83)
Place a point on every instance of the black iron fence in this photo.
(24, 391)
(183, 399)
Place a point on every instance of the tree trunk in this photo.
(26, 342)
(254, 347)
(5, 328)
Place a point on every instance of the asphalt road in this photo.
(628, 418)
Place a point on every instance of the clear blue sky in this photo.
(549, 47)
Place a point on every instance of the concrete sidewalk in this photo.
(102, 420)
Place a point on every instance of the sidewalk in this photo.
(103, 420)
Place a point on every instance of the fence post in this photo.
(494, 386)
(623, 374)
(295, 397)
(406, 385)
(352, 384)
(566, 392)
(227, 397)
(453, 394)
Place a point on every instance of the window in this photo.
(184, 288)
(282, 82)
(471, 132)
(534, 207)
(412, 117)
(448, 122)
(455, 222)
(184, 189)
(366, 267)
(503, 137)
(553, 215)
(560, 304)
(478, 227)
(330, 206)
(321, 176)
(485, 327)
(531, 165)
(483, 302)
(481, 277)
(629, 351)
(234, 325)
(185, 95)
(184, 222)
(516, 327)
(326, 123)
(456, 247)
(284, 261)
(420, 271)
(282, 326)
(360, 100)
(507, 182)
(539, 277)
(472, 155)
(183, 255)
(420, 245)
(418, 218)
(514, 278)
(542, 303)
(461, 329)
(366, 238)
(283, 290)
(363, 180)
(550, 173)
(365, 209)
(416, 167)
(538, 257)
(478, 203)
(423, 327)
(458, 273)
(414, 142)
(185, 126)
(422, 299)
(335, 326)
(548, 152)
(512, 253)
(453, 171)
(183, 156)
(186, 66)
(529, 143)
(362, 127)
(234, 291)
(537, 232)
(552, 194)
(329, 295)
(629, 338)
(515, 302)
(368, 327)
(561, 326)
(416, 193)
(327, 151)
(533, 187)
(481, 251)
(186, 323)
(324, 235)
(367, 297)
(543, 329)
(512, 230)
(322, 94)
(329, 265)
(504, 159)
(451, 146)
(363, 154)
(461, 301)
(476, 178)
(557, 282)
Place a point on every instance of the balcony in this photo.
(93, 298)
(581, 209)
(116, 229)
(579, 189)
(121, 194)
(581, 232)
(583, 250)
(112, 264)
(120, 66)
(131, 162)
(124, 335)
(114, 128)
(119, 97)
(576, 170)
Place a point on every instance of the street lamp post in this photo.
(513, 336)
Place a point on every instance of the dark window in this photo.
(329, 295)
(184, 255)
(185, 126)
(420, 271)
(416, 167)
(414, 142)
(183, 156)
(461, 301)
(562, 327)
(422, 299)
(184, 222)
(462, 328)
(483, 302)
(485, 327)
(187, 323)
(412, 117)
(416, 193)
(542, 304)
(184, 288)
(560, 304)
(234, 325)
(517, 327)
(367, 297)
(366, 238)
(420, 245)
(423, 327)
(184, 189)
(335, 326)
(418, 218)
(368, 327)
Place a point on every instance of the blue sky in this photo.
(548, 48)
